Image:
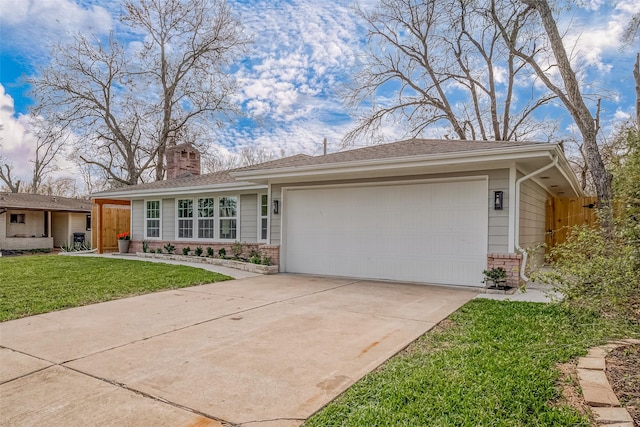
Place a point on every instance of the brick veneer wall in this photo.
(272, 251)
(510, 262)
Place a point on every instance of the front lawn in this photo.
(38, 284)
(492, 364)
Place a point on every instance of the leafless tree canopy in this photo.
(128, 102)
(451, 68)
(50, 140)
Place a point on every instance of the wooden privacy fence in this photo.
(108, 219)
(564, 213)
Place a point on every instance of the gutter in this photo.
(174, 191)
(519, 181)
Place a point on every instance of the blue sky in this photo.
(303, 51)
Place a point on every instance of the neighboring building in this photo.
(427, 211)
(34, 221)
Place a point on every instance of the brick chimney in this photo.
(182, 160)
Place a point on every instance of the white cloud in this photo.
(598, 33)
(301, 49)
(33, 24)
(621, 115)
(18, 145)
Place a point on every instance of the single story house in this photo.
(34, 221)
(426, 211)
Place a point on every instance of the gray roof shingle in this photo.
(401, 149)
(408, 148)
(29, 201)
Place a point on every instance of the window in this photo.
(152, 218)
(264, 216)
(16, 218)
(185, 219)
(228, 212)
(206, 212)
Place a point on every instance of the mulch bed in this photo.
(623, 371)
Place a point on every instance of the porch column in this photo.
(49, 225)
(100, 240)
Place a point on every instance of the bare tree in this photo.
(50, 140)
(451, 67)
(127, 103)
(568, 91)
(636, 79)
(62, 186)
(216, 161)
(5, 175)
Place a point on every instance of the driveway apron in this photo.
(266, 350)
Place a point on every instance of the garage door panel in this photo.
(423, 232)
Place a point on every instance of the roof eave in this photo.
(172, 191)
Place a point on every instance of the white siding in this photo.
(533, 199)
(168, 222)
(60, 228)
(499, 219)
(249, 218)
(33, 224)
(137, 220)
(78, 223)
(275, 219)
(3, 226)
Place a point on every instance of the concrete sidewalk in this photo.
(260, 351)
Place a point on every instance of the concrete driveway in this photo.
(260, 351)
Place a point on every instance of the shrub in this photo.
(74, 247)
(597, 272)
(222, 253)
(186, 250)
(159, 251)
(198, 251)
(169, 248)
(145, 246)
(210, 252)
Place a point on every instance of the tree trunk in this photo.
(636, 77)
(578, 109)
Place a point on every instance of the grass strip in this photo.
(38, 284)
(493, 366)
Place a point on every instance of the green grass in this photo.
(494, 366)
(38, 284)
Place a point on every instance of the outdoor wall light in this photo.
(276, 206)
(498, 197)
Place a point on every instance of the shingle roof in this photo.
(408, 148)
(39, 202)
(222, 177)
(401, 149)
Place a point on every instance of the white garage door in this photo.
(432, 232)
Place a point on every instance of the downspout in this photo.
(516, 233)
